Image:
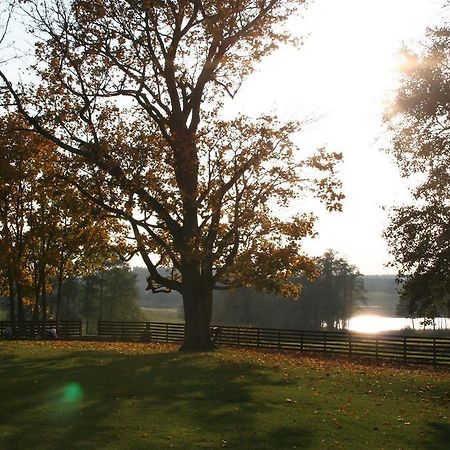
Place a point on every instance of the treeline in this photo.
(328, 301)
(109, 294)
(54, 242)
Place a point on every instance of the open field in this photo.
(82, 395)
(169, 315)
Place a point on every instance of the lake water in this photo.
(376, 324)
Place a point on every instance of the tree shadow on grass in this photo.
(440, 436)
(83, 400)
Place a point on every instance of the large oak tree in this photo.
(131, 92)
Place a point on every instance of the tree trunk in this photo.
(58, 298)
(101, 296)
(87, 305)
(197, 302)
(51, 306)
(37, 296)
(44, 304)
(12, 309)
(20, 310)
(68, 315)
(34, 325)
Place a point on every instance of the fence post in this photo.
(324, 341)
(434, 352)
(279, 339)
(239, 336)
(404, 349)
(123, 331)
(301, 340)
(376, 349)
(257, 337)
(167, 332)
(350, 346)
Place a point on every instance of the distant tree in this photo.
(250, 307)
(108, 294)
(332, 298)
(131, 93)
(120, 294)
(419, 120)
(241, 306)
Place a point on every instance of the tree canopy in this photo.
(131, 92)
(419, 120)
(48, 231)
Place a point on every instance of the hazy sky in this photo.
(343, 74)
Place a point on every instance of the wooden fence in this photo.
(66, 328)
(408, 349)
(133, 331)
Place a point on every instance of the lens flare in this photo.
(73, 393)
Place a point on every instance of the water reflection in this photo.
(375, 324)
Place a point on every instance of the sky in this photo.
(343, 75)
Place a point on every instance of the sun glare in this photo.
(368, 324)
(343, 72)
(360, 43)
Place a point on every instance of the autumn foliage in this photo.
(48, 231)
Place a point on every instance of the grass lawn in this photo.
(81, 395)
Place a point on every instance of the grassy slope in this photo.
(130, 396)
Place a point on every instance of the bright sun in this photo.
(353, 50)
(369, 324)
(346, 66)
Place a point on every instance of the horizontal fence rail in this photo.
(65, 328)
(141, 331)
(408, 349)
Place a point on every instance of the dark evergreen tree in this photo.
(334, 296)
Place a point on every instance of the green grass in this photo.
(81, 395)
(166, 315)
